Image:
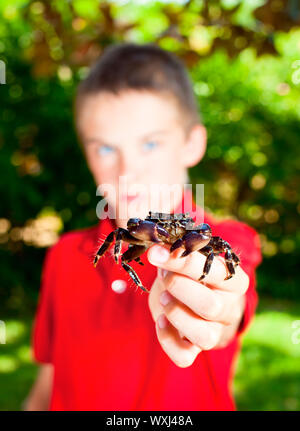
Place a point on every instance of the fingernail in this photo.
(161, 273)
(162, 321)
(165, 298)
(159, 254)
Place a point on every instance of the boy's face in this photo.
(137, 135)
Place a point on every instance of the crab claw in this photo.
(176, 244)
(96, 260)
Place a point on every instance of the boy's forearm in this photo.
(39, 396)
(35, 402)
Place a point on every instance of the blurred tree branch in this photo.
(63, 36)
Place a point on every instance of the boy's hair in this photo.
(130, 66)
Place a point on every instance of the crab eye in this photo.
(133, 222)
(205, 227)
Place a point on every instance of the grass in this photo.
(17, 370)
(268, 371)
(267, 375)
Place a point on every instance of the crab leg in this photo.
(217, 246)
(104, 247)
(209, 253)
(235, 258)
(122, 235)
(228, 260)
(133, 253)
(134, 276)
(137, 259)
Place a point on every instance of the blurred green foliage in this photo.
(244, 61)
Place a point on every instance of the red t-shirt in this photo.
(103, 343)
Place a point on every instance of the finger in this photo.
(180, 351)
(205, 302)
(203, 333)
(192, 266)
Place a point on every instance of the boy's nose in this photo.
(129, 166)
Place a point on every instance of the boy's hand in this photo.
(199, 315)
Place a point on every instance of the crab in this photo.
(177, 230)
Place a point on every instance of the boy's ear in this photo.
(195, 146)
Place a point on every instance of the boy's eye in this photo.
(105, 150)
(150, 145)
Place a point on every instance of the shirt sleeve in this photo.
(251, 257)
(245, 242)
(43, 332)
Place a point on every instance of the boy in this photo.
(102, 342)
